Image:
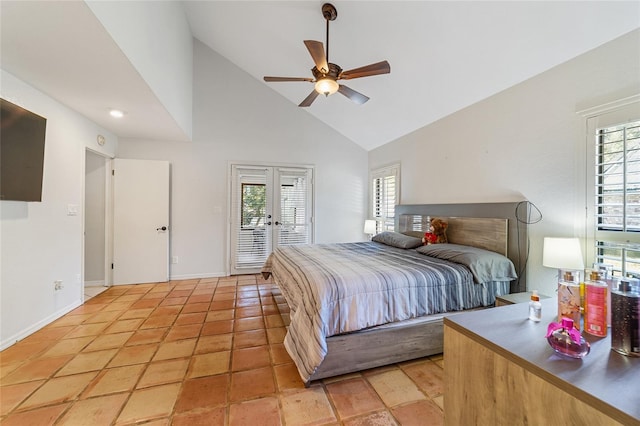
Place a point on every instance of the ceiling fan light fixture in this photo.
(327, 86)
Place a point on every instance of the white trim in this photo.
(609, 106)
(37, 326)
(199, 276)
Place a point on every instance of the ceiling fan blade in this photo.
(309, 99)
(356, 97)
(316, 49)
(367, 71)
(274, 79)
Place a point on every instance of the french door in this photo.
(270, 207)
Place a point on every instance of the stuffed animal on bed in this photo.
(437, 233)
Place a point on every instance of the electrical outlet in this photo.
(57, 285)
(174, 259)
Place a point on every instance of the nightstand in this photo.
(510, 299)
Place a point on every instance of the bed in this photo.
(354, 306)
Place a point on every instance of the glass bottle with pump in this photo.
(569, 297)
(625, 317)
(595, 312)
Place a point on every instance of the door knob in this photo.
(164, 228)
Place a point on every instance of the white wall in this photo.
(525, 142)
(237, 118)
(39, 242)
(156, 38)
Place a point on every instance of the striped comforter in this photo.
(340, 288)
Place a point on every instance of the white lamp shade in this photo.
(327, 86)
(370, 227)
(562, 253)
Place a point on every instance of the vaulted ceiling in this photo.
(444, 55)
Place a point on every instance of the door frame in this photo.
(258, 164)
(108, 219)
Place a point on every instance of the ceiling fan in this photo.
(327, 74)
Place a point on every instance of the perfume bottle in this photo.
(566, 341)
(625, 321)
(569, 297)
(595, 308)
(535, 307)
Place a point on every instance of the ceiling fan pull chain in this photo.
(327, 42)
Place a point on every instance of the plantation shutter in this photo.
(385, 196)
(294, 222)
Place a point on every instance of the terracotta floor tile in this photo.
(191, 318)
(248, 301)
(88, 308)
(157, 321)
(129, 297)
(199, 298)
(195, 307)
(142, 337)
(252, 323)
(145, 303)
(428, 376)
(123, 325)
(209, 364)
(118, 306)
(287, 377)
(12, 395)
(102, 410)
(222, 305)
(217, 327)
(420, 413)
(262, 411)
(41, 416)
(68, 346)
(273, 321)
(245, 339)
(40, 368)
(49, 333)
(83, 330)
(251, 384)
(137, 354)
(167, 311)
(179, 293)
(163, 372)
(170, 301)
(178, 332)
(279, 354)
(353, 397)
(221, 315)
(70, 320)
(203, 392)
(395, 388)
(378, 418)
(106, 316)
(148, 404)
(58, 390)
(7, 369)
(308, 406)
(136, 313)
(175, 349)
(212, 417)
(114, 380)
(248, 311)
(276, 335)
(87, 361)
(23, 351)
(439, 401)
(250, 358)
(215, 343)
(108, 341)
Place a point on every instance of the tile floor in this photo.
(196, 352)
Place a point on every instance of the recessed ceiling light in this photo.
(116, 113)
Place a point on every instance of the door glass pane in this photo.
(294, 222)
(252, 243)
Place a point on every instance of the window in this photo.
(617, 197)
(385, 194)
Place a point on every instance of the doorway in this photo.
(271, 206)
(96, 277)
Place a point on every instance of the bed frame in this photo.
(487, 226)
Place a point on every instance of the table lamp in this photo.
(370, 227)
(562, 253)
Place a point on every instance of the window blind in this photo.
(385, 196)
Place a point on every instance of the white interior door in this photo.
(140, 221)
(270, 207)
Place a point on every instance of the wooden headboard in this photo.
(467, 226)
(486, 233)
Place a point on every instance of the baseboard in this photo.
(37, 326)
(194, 276)
(94, 283)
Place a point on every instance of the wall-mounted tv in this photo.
(22, 135)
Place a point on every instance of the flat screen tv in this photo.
(22, 135)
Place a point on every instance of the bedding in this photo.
(396, 239)
(340, 288)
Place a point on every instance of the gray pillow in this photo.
(396, 239)
(485, 265)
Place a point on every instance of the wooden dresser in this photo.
(500, 370)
